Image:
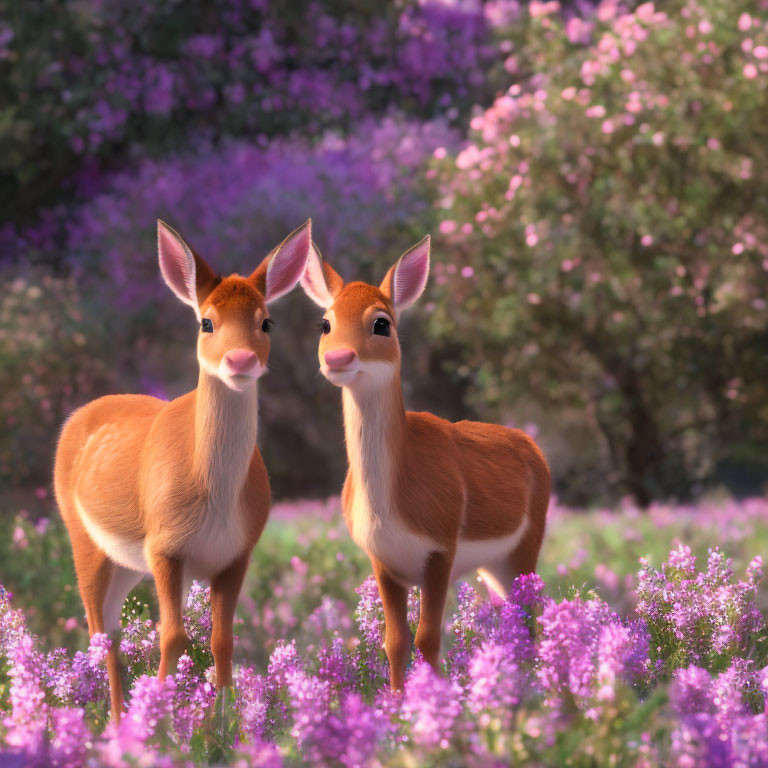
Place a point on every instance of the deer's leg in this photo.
(225, 589)
(397, 634)
(500, 576)
(437, 577)
(103, 585)
(169, 574)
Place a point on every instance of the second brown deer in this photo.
(179, 488)
(426, 499)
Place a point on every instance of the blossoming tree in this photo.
(609, 221)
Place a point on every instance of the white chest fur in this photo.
(376, 527)
(226, 427)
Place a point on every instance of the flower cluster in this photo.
(520, 675)
(127, 74)
(702, 618)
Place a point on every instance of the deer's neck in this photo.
(225, 434)
(374, 426)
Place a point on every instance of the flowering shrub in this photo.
(88, 83)
(605, 241)
(533, 679)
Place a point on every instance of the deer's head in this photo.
(359, 346)
(232, 311)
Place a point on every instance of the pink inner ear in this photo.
(313, 281)
(411, 275)
(288, 264)
(177, 266)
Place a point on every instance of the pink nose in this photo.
(240, 360)
(339, 358)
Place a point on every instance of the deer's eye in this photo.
(267, 324)
(325, 326)
(381, 326)
(207, 325)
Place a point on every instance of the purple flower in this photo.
(498, 683)
(568, 645)
(193, 698)
(253, 701)
(283, 662)
(335, 664)
(622, 652)
(691, 691)
(151, 702)
(370, 613)
(69, 744)
(431, 707)
(26, 723)
(528, 590)
(197, 615)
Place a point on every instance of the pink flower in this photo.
(713, 143)
(534, 298)
(750, 71)
(607, 126)
(568, 93)
(745, 22)
(467, 272)
(646, 240)
(597, 110)
(705, 27)
(447, 227)
(761, 52)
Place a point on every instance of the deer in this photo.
(426, 499)
(178, 489)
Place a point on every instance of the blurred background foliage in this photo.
(594, 174)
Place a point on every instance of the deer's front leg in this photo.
(225, 589)
(437, 576)
(168, 574)
(397, 635)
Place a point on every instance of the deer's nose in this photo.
(339, 358)
(240, 360)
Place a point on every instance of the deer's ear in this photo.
(320, 281)
(185, 273)
(283, 267)
(406, 280)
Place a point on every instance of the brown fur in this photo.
(151, 474)
(453, 485)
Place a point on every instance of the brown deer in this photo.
(426, 499)
(179, 488)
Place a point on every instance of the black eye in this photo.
(267, 324)
(207, 325)
(381, 326)
(325, 326)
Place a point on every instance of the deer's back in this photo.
(506, 478)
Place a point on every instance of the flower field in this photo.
(594, 175)
(640, 643)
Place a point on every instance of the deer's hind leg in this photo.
(104, 585)
(500, 576)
